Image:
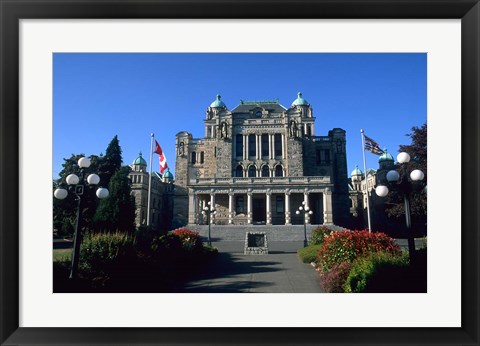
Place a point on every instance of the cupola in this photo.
(218, 103)
(139, 164)
(299, 101)
(385, 157)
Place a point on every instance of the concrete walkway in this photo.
(278, 272)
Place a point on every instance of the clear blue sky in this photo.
(97, 96)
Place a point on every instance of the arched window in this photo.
(252, 171)
(194, 157)
(265, 171)
(279, 171)
(239, 171)
(202, 157)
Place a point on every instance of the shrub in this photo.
(318, 235)
(378, 272)
(308, 254)
(333, 280)
(101, 252)
(346, 246)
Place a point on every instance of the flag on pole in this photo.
(372, 146)
(161, 156)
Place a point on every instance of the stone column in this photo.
(245, 147)
(305, 199)
(191, 208)
(288, 220)
(259, 147)
(270, 146)
(269, 207)
(234, 147)
(327, 207)
(249, 207)
(230, 208)
(212, 205)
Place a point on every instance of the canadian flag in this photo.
(161, 156)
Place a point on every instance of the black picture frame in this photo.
(11, 11)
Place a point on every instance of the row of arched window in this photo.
(197, 157)
(253, 172)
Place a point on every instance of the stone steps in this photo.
(274, 232)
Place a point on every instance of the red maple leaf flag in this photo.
(161, 156)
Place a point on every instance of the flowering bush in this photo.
(346, 246)
(333, 280)
(318, 235)
(190, 239)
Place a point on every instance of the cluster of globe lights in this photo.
(73, 179)
(208, 210)
(307, 209)
(393, 176)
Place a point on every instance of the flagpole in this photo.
(150, 179)
(366, 180)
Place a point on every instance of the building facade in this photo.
(161, 197)
(257, 163)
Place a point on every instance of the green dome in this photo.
(300, 101)
(356, 172)
(168, 174)
(218, 103)
(385, 156)
(139, 160)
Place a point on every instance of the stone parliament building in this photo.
(257, 163)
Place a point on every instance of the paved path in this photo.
(278, 272)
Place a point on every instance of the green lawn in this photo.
(61, 254)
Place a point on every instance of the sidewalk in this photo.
(278, 272)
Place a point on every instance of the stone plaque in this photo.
(256, 243)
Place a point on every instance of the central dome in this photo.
(140, 160)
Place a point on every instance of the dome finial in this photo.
(300, 101)
(218, 103)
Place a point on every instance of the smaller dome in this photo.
(168, 174)
(385, 156)
(300, 101)
(140, 160)
(218, 103)
(356, 172)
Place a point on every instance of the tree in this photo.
(109, 164)
(117, 212)
(418, 160)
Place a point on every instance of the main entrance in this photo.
(259, 210)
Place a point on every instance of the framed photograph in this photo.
(37, 35)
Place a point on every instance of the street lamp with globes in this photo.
(208, 211)
(307, 212)
(402, 184)
(77, 185)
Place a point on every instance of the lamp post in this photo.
(77, 185)
(405, 186)
(307, 212)
(208, 210)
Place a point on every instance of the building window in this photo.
(339, 146)
(252, 171)
(265, 171)
(239, 171)
(202, 157)
(327, 156)
(278, 144)
(280, 204)
(318, 156)
(258, 114)
(309, 130)
(252, 148)
(279, 171)
(239, 145)
(239, 205)
(265, 144)
(194, 157)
